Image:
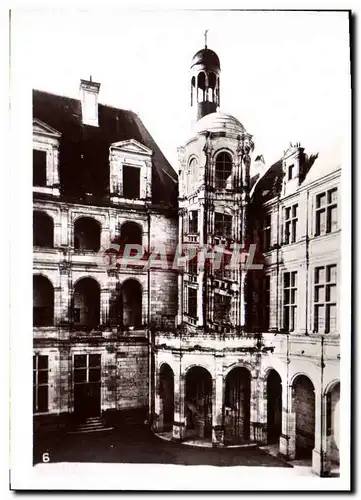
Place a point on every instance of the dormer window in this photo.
(39, 168)
(130, 172)
(45, 158)
(131, 182)
(290, 172)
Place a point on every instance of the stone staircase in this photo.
(91, 424)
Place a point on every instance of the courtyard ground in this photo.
(137, 444)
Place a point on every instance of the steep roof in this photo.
(84, 150)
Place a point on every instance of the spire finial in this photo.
(205, 39)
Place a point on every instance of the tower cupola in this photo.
(205, 89)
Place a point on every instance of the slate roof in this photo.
(84, 150)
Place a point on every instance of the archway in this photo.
(87, 234)
(198, 402)
(237, 406)
(166, 393)
(86, 303)
(304, 410)
(43, 230)
(130, 303)
(43, 301)
(274, 407)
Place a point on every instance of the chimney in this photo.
(89, 92)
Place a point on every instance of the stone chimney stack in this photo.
(89, 92)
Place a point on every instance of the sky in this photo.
(284, 75)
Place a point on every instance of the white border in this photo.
(102, 476)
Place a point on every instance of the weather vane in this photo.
(205, 38)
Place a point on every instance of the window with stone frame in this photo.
(289, 300)
(131, 182)
(222, 308)
(325, 300)
(193, 265)
(39, 168)
(40, 384)
(326, 212)
(192, 302)
(193, 222)
(291, 221)
(266, 233)
(266, 300)
(223, 170)
(222, 225)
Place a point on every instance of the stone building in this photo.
(222, 354)
(255, 354)
(99, 180)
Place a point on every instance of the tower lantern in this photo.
(205, 72)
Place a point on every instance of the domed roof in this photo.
(219, 122)
(206, 57)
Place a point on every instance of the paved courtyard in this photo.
(137, 444)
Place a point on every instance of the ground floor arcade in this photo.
(235, 402)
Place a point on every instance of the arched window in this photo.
(43, 230)
(86, 303)
(87, 234)
(130, 233)
(193, 173)
(223, 171)
(43, 301)
(132, 303)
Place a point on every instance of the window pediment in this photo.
(42, 128)
(131, 146)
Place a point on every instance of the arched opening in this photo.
(43, 301)
(166, 393)
(237, 406)
(223, 171)
(87, 234)
(131, 234)
(43, 230)
(86, 308)
(304, 409)
(193, 87)
(333, 423)
(198, 402)
(212, 80)
(201, 85)
(130, 303)
(274, 407)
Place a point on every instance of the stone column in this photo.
(57, 305)
(179, 423)
(288, 436)
(320, 465)
(104, 305)
(158, 404)
(65, 292)
(217, 405)
(257, 425)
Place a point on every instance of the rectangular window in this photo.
(222, 308)
(267, 297)
(192, 302)
(290, 172)
(289, 300)
(223, 225)
(266, 233)
(193, 222)
(40, 383)
(326, 212)
(192, 265)
(87, 368)
(291, 220)
(325, 300)
(39, 168)
(131, 182)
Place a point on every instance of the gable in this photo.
(132, 146)
(42, 128)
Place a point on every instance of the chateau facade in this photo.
(224, 355)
